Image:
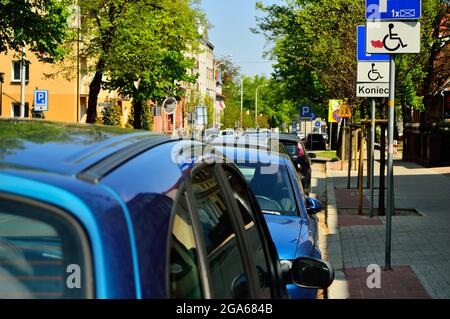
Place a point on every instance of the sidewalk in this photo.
(420, 235)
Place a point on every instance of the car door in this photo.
(309, 233)
(228, 260)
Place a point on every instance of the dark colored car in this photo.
(315, 142)
(290, 215)
(298, 153)
(99, 212)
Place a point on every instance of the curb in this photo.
(339, 288)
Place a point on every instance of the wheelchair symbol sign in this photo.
(373, 72)
(393, 37)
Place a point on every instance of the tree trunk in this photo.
(137, 106)
(94, 90)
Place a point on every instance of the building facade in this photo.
(62, 90)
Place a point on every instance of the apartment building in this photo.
(62, 90)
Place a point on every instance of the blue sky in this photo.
(231, 35)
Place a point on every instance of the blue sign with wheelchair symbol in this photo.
(41, 100)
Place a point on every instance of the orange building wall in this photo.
(62, 93)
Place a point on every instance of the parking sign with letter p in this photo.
(41, 100)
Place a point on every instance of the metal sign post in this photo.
(372, 157)
(390, 164)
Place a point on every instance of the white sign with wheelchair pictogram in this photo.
(373, 72)
(393, 37)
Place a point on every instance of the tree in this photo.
(139, 47)
(41, 25)
(316, 61)
(315, 44)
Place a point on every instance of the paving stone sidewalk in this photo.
(420, 243)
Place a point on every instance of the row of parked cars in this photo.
(100, 212)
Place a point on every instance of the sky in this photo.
(230, 34)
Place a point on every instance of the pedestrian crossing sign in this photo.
(344, 110)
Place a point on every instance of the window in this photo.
(43, 253)
(252, 233)
(183, 269)
(17, 71)
(228, 277)
(273, 190)
(16, 110)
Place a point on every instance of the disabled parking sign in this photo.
(393, 37)
(41, 100)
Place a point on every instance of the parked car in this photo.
(228, 131)
(100, 212)
(299, 155)
(290, 215)
(315, 141)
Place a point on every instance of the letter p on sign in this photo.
(41, 100)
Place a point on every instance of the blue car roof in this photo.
(61, 147)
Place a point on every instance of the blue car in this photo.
(98, 212)
(290, 215)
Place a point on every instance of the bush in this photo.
(111, 115)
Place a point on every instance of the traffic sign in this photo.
(333, 107)
(393, 37)
(393, 10)
(361, 47)
(317, 124)
(344, 111)
(373, 72)
(170, 105)
(372, 90)
(336, 117)
(306, 112)
(202, 116)
(41, 100)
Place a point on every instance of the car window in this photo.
(184, 270)
(227, 271)
(252, 233)
(41, 253)
(273, 189)
(292, 148)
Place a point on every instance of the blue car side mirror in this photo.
(313, 206)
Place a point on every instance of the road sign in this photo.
(393, 10)
(373, 72)
(202, 116)
(170, 105)
(313, 116)
(317, 124)
(333, 107)
(393, 37)
(361, 47)
(41, 100)
(372, 90)
(344, 111)
(305, 112)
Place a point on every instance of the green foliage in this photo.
(146, 118)
(112, 115)
(42, 25)
(315, 45)
(139, 47)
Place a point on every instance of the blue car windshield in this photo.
(273, 189)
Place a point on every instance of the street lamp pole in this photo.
(242, 99)
(256, 104)
(2, 77)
